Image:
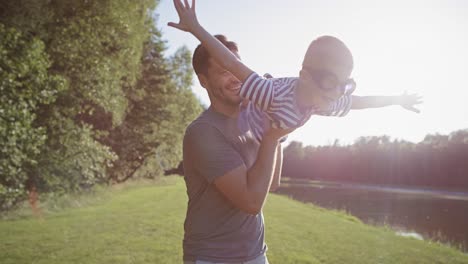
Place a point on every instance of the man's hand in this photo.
(187, 17)
(276, 133)
(408, 101)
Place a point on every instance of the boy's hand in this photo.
(187, 17)
(408, 101)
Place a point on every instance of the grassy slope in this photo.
(143, 224)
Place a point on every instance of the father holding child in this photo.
(232, 151)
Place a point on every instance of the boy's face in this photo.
(222, 86)
(325, 80)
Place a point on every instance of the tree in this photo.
(96, 46)
(293, 159)
(25, 86)
(161, 105)
(125, 109)
(438, 161)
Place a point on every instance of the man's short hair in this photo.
(201, 56)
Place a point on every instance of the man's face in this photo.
(326, 81)
(222, 86)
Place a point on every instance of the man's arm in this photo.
(407, 101)
(247, 189)
(188, 22)
(275, 183)
(207, 152)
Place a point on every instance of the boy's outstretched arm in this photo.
(407, 101)
(223, 56)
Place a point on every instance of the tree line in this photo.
(438, 161)
(87, 96)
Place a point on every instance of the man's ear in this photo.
(203, 80)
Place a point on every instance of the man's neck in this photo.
(227, 110)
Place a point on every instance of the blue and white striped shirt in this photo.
(275, 99)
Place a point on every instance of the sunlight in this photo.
(397, 46)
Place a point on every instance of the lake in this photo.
(436, 214)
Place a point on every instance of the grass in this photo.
(143, 223)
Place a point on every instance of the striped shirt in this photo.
(275, 99)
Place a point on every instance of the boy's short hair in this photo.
(328, 48)
(201, 56)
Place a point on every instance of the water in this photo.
(435, 214)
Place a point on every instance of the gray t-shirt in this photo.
(216, 230)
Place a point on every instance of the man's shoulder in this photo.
(201, 123)
(204, 125)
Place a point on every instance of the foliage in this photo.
(95, 44)
(71, 158)
(25, 86)
(160, 107)
(125, 108)
(439, 161)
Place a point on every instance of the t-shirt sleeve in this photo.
(208, 152)
(258, 90)
(340, 108)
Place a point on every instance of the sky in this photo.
(415, 46)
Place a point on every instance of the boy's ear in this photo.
(203, 80)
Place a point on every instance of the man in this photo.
(228, 174)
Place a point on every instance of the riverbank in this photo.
(143, 224)
(428, 192)
(425, 213)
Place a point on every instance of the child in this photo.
(323, 86)
(290, 102)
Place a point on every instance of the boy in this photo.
(323, 86)
(290, 102)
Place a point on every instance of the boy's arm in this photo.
(223, 56)
(407, 101)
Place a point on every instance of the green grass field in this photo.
(143, 223)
